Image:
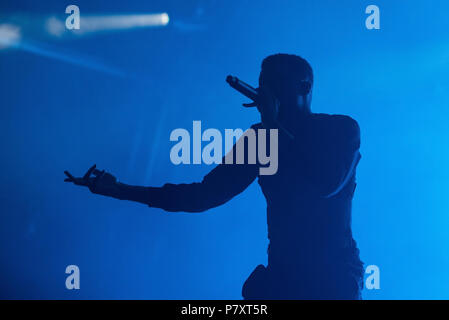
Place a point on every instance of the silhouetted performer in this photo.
(312, 254)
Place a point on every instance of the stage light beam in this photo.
(9, 36)
(90, 24)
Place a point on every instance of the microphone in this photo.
(251, 93)
(242, 87)
(248, 91)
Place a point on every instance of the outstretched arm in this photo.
(219, 186)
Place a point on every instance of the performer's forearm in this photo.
(133, 193)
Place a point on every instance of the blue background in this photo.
(57, 115)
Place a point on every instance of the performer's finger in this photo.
(89, 172)
(249, 105)
(69, 175)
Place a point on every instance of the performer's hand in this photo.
(268, 106)
(100, 183)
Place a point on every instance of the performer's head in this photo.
(290, 78)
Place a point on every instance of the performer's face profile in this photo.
(288, 91)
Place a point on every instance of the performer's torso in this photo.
(303, 225)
